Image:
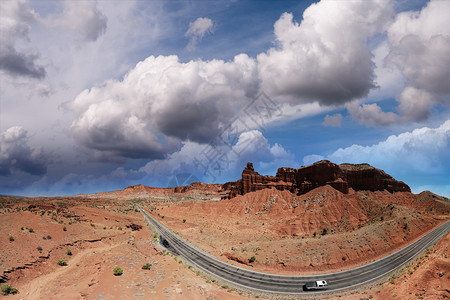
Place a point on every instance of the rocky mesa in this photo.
(302, 180)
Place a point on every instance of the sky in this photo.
(99, 95)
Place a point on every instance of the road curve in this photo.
(286, 284)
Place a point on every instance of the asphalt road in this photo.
(294, 284)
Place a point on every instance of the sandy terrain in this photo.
(322, 230)
(99, 242)
(285, 233)
(428, 277)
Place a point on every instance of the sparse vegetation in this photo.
(118, 271)
(62, 262)
(252, 259)
(64, 228)
(184, 220)
(314, 234)
(324, 231)
(69, 252)
(7, 289)
(11, 238)
(147, 266)
(30, 230)
(405, 226)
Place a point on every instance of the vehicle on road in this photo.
(315, 285)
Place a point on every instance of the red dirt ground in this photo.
(284, 232)
(322, 230)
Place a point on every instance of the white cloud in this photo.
(221, 163)
(160, 102)
(334, 120)
(83, 18)
(325, 58)
(419, 43)
(423, 152)
(197, 30)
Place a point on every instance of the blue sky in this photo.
(99, 95)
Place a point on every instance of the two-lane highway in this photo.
(294, 284)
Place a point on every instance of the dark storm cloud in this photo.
(20, 64)
(15, 21)
(17, 156)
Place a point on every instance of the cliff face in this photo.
(300, 181)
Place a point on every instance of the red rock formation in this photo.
(300, 181)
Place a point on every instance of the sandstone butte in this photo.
(300, 181)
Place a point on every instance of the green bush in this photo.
(30, 230)
(11, 238)
(118, 271)
(64, 228)
(8, 289)
(184, 220)
(69, 252)
(147, 266)
(62, 262)
(252, 259)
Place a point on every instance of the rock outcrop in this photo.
(300, 181)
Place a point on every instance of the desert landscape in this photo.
(68, 247)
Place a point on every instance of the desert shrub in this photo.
(69, 252)
(120, 228)
(8, 289)
(324, 231)
(252, 259)
(344, 258)
(147, 266)
(118, 271)
(39, 248)
(405, 226)
(93, 225)
(314, 234)
(62, 262)
(184, 220)
(30, 230)
(64, 228)
(11, 238)
(49, 237)
(156, 236)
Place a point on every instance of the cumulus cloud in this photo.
(162, 101)
(419, 45)
(16, 155)
(197, 30)
(219, 164)
(82, 17)
(15, 21)
(423, 151)
(325, 58)
(334, 120)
